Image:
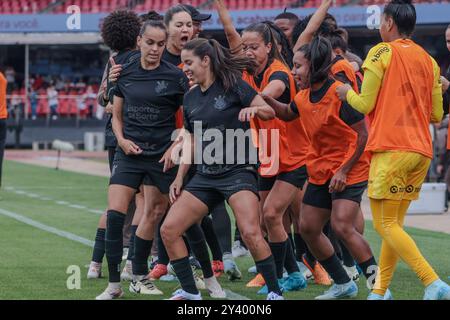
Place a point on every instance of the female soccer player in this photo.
(146, 98)
(399, 139)
(221, 102)
(279, 183)
(119, 32)
(337, 172)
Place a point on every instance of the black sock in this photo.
(198, 245)
(99, 246)
(184, 274)
(335, 269)
(142, 249)
(114, 243)
(279, 254)
(211, 238)
(291, 239)
(289, 261)
(370, 269)
(310, 258)
(188, 245)
(222, 226)
(300, 246)
(347, 257)
(267, 269)
(163, 256)
(131, 248)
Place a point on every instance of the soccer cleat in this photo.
(214, 288)
(125, 253)
(199, 283)
(231, 268)
(217, 267)
(352, 272)
(194, 263)
(320, 275)
(274, 296)
(238, 250)
(158, 271)
(375, 296)
(127, 272)
(152, 262)
(180, 294)
(438, 290)
(110, 294)
(144, 286)
(294, 282)
(252, 270)
(95, 270)
(305, 271)
(340, 291)
(257, 281)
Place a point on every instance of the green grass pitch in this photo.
(34, 263)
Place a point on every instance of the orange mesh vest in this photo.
(3, 109)
(333, 142)
(291, 154)
(345, 67)
(401, 118)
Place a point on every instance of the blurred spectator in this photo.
(33, 103)
(52, 96)
(10, 75)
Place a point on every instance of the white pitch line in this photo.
(62, 203)
(44, 227)
(70, 236)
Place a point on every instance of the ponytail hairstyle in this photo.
(268, 36)
(226, 67)
(404, 15)
(318, 53)
(153, 24)
(281, 39)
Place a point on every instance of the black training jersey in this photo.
(217, 109)
(151, 99)
(169, 57)
(123, 57)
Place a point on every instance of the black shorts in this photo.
(213, 190)
(318, 195)
(132, 171)
(295, 177)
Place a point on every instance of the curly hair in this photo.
(120, 30)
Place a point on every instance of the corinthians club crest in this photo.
(220, 102)
(161, 86)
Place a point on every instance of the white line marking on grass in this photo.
(76, 206)
(70, 236)
(44, 227)
(62, 203)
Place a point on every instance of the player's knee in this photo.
(307, 230)
(169, 232)
(341, 229)
(271, 217)
(251, 236)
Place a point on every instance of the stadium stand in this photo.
(98, 6)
